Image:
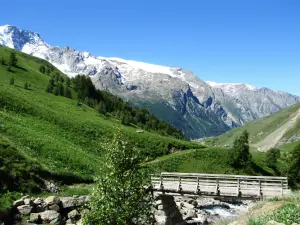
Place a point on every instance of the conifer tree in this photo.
(240, 156)
(13, 59)
(12, 81)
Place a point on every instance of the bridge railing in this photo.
(220, 185)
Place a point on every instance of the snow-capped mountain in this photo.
(175, 95)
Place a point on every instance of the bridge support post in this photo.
(281, 188)
(198, 190)
(161, 185)
(179, 188)
(239, 193)
(260, 191)
(217, 188)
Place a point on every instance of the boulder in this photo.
(188, 205)
(18, 203)
(50, 215)
(35, 218)
(40, 208)
(68, 202)
(54, 207)
(28, 201)
(38, 201)
(52, 200)
(24, 209)
(73, 215)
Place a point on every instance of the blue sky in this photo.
(247, 41)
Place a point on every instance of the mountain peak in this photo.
(16, 38)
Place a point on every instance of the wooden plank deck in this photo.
(250, 187)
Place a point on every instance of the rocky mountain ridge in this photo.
(198, 108)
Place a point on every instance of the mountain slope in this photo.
(275, 130)
(175, 95)
(57, 135)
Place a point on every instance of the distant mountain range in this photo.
(199, 108)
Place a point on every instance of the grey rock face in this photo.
(198, 108)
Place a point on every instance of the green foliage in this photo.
(64, 137)
(287, 214)
(120, 197)
(106, 103)
(42, 69)
(240, 156)
(12, 81)
(13, 59)
(3, 62)
(294, 170)
(68, 93)
(206, 160)
(272, 157)
(26, 86)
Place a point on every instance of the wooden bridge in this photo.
(217, 185)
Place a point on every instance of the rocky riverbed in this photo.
(167, 210)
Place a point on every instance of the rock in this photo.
(81, 200)
(40, 208)
(28, 201)
(272, 222)
(25, 209)
(51, 187)
(68, 202)
(161, 220)
(50, 215)
(38, 201)
(84, 211)
(24, 197)
(56, 221)
(79, 222)
(188, 206)
(35, 218)
(158, 202)
(189, 214)
(54, 207)
(52, 200)
(18, 203)
(69, 221)
(17, 217)
(73, 215)
(160, 207)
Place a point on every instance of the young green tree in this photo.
(120, 197)
(13, 59)
(61, 89)
(50, 86)
(272, 157)
(68, 82)
(12, 81)
(26, 86)
(42, 69)
(240, 156)
(3, 62)
(68, 92)
(294, 170)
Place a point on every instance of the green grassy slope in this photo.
(207, 160)
(272, 131)
(60, 135)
